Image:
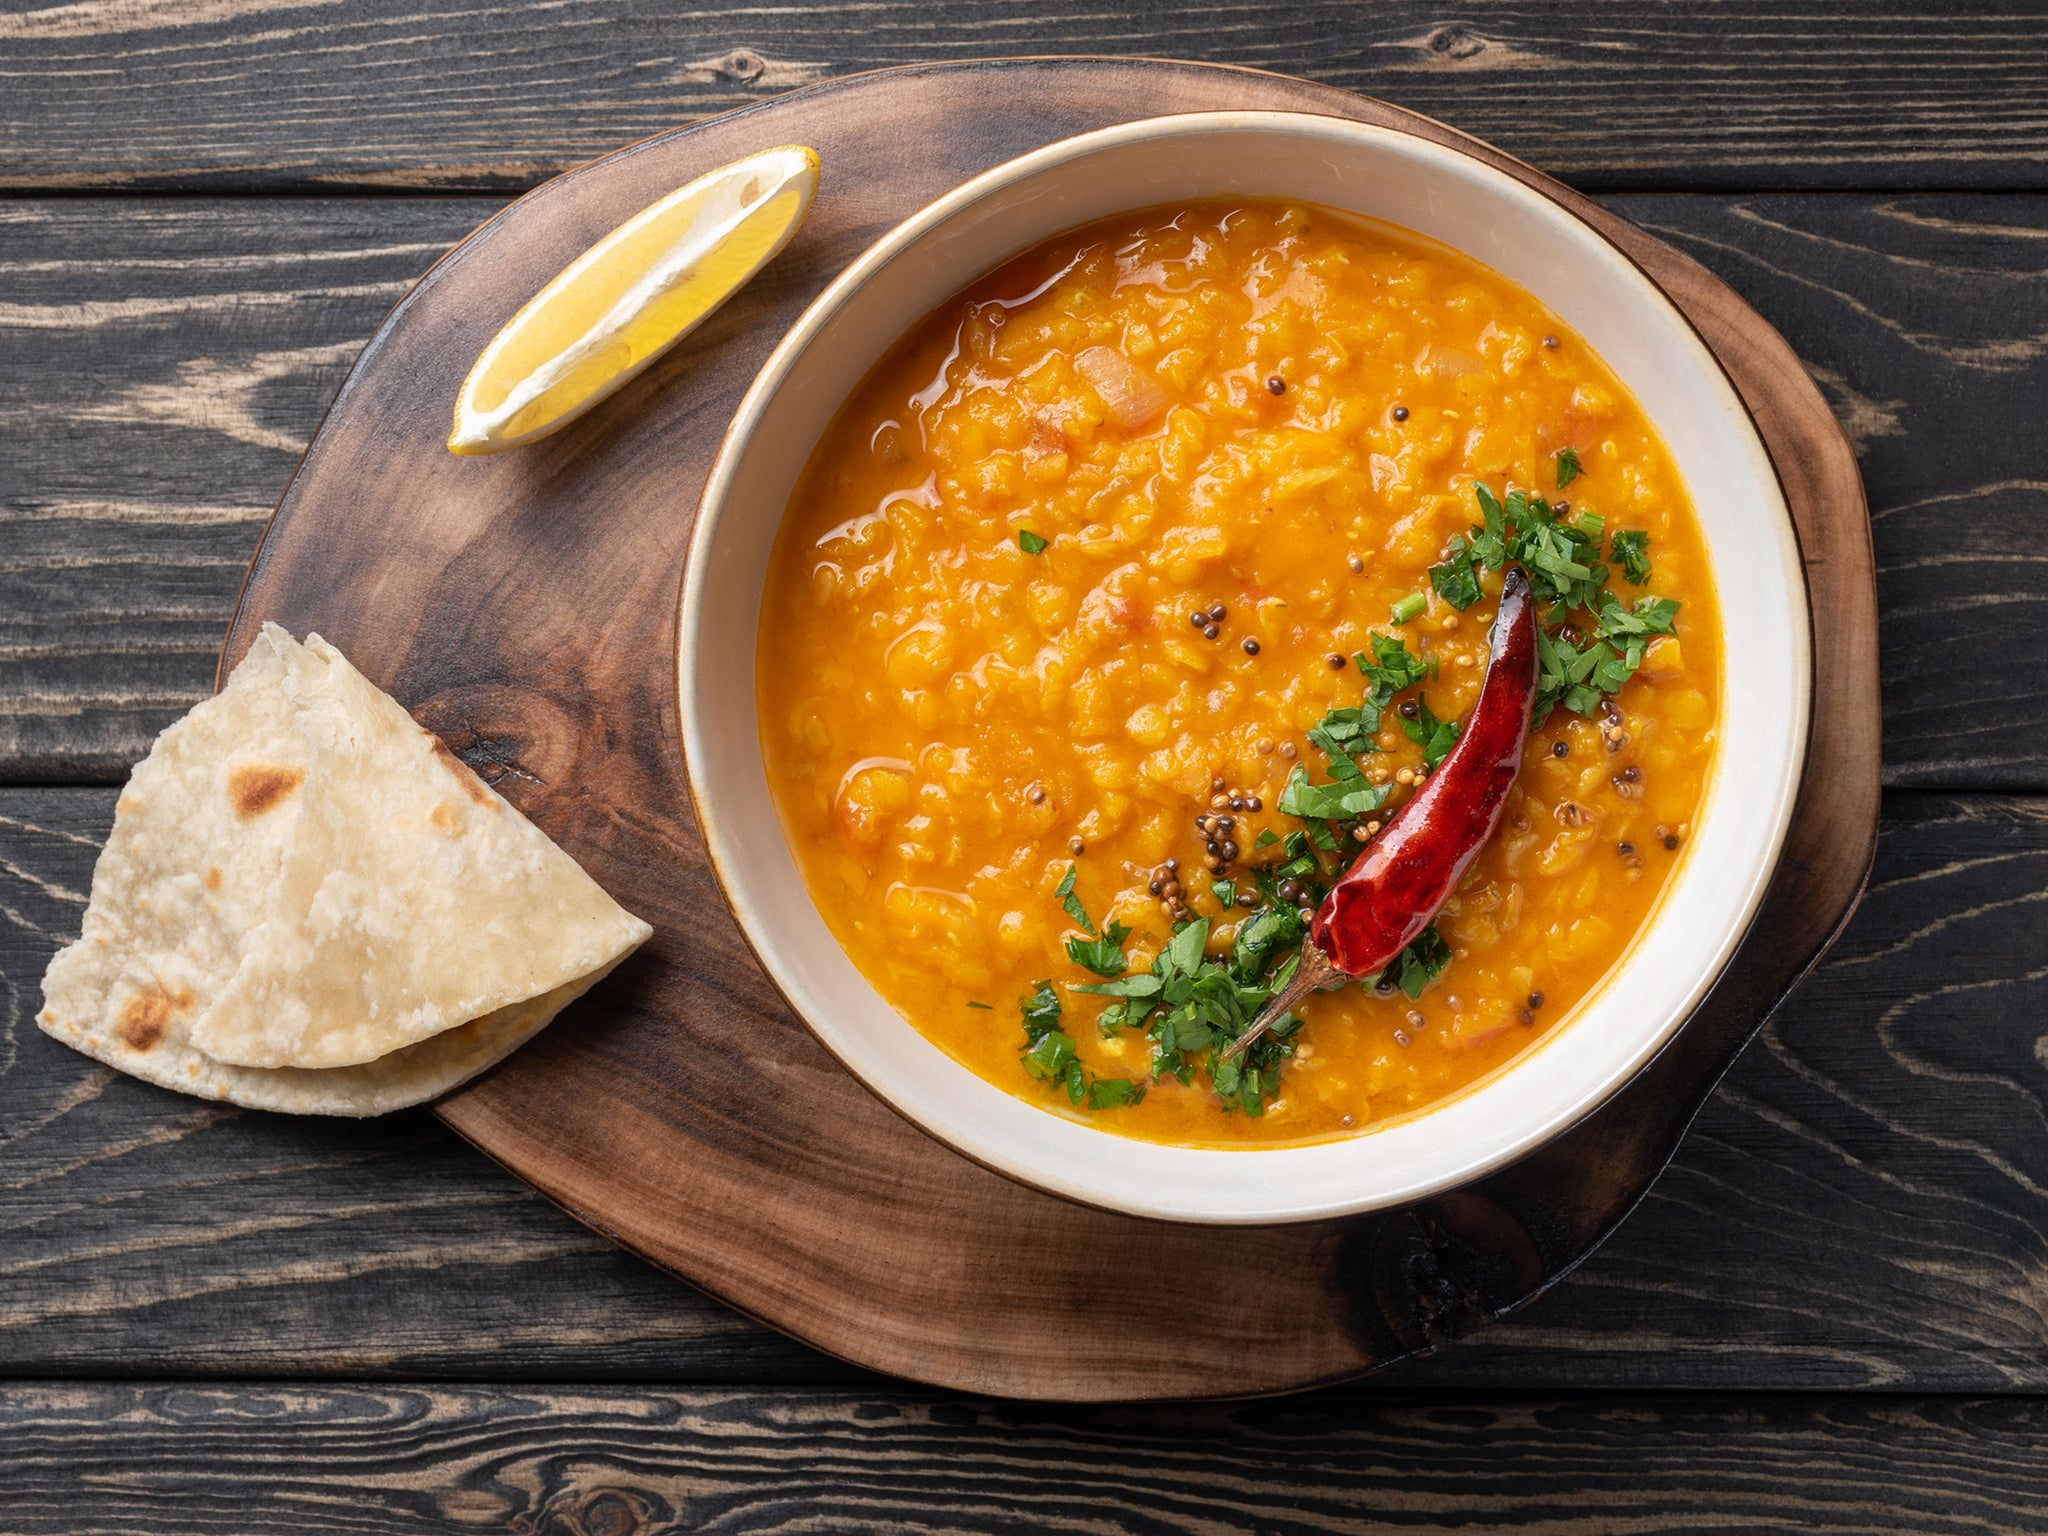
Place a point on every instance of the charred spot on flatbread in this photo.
(146, 1015)
(254, 788)
(349, 960)
(465, 775)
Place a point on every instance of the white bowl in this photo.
(1385, 175)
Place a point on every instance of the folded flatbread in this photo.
(309, 903)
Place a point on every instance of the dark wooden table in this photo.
(1831, 1312)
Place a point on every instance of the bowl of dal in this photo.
(1106, 556)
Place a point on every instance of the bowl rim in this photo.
(724, 856)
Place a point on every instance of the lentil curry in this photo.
(1136, 588)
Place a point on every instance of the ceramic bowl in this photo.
(1449, 197)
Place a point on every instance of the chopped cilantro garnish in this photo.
(1344, 798)
(1193, 1007)
(1072, 903)
(1632, 548)
(1103, 956)
(1111, 1092)
(1301, 858)
(1489, 540)
(1053, 1059)
(1562, 671)
(1646, 616)
(1435, 737)
(1562, 559)
(1041, 1010)
(1031, 543)
(1392, 668)
(1455, 580)
(1184, 953)
(1267, 839)
(1137, 988)
(1225, 892)
(1051, 1056)
(1266, 933)
(1406, 608)
(1568, 467)
(1419, 964)
(1579, 676)
(1565, 572)
(1344, 733)
(984, 1007)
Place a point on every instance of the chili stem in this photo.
(1312, 975)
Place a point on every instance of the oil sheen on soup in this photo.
(1137, 587)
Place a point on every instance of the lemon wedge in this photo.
(630, 297)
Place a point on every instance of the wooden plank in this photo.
(1859, 1206)
(172, 1459)
(1925, 320)
(283, 94)
(162, 364)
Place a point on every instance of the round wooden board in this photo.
(523, 607)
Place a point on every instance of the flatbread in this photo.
(153, 1041)
(410, 899)
(301, 878)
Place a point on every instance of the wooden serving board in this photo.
(524, 607)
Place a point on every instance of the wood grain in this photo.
(277, 95)
(161, 368)
(1858, 1206)
(255, 1461)
(1925, 321)
(163, 363)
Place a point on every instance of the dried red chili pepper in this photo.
(1401, 879)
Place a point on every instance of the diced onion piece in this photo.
(1451, 363)
(1133, 396)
